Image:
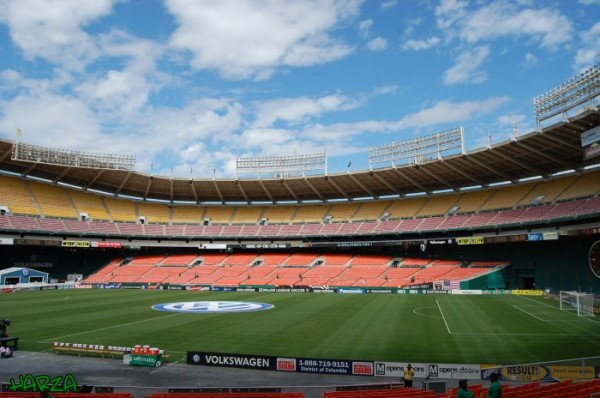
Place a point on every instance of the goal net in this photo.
(583, 303)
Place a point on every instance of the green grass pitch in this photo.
(418, 328)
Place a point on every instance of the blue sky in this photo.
(189, 85)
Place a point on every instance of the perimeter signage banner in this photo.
(529, 373)
(75, 243)
(263, 362)
(325, 366)
(107, 245)
(256, 362)
(431, 370)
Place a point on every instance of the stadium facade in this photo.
(531, 202)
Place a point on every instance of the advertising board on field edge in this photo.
(429, 370)
(281, 364)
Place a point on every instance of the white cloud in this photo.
(530, 60)
(449, 12)
(466, 68)
(129, 89)
(299, 109)
(386, 5)
(589, 53)
(442, 112)
(589, 2)
(365, 26)
(268, 138)
(502, 18)
(377, 44)
(117, 91)
(418, 45)
(448, 111)
(53, 29)
(256, 37)
(60, 121)
(511, 120)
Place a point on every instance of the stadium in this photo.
(462, 263)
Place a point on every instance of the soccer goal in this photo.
(583, 303)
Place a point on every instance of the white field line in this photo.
(108, 327)
(443, 317)
(558, 309)
(528, 313)
(523, 334)
(416, 311)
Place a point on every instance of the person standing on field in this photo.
(409, 375)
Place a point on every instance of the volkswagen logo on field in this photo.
(212, 307)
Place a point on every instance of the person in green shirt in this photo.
(495, 390)
(463, 390)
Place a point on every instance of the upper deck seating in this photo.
(311, 214)
(471, 202)
(219, 214)
(343, 212)
(90, 204)
(585, 185)
(437, 206)
(405, 208)
(279, 214)
(547, 191)
(53, 200)
(506, 197)
(370, 211)
(247, 214)
(15, 195)
(188, 215)
(154, 212)
(121, 210)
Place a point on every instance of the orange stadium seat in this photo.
(229, 395)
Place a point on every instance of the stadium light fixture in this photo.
(419, 150)
(283, 166)
(569, 99)
(63, 157)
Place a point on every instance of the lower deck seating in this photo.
(382, 393)
(220, 270)
(229, 395)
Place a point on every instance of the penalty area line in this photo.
(108, 327)
(443, 317)
(528, 313)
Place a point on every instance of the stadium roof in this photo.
(542, 153)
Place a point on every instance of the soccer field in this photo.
(491, 329)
